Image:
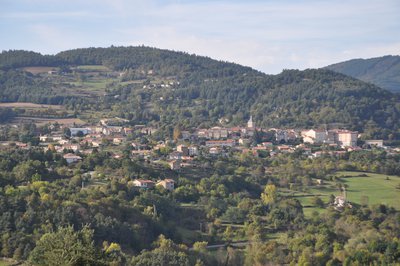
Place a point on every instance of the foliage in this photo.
(382, 71)
(65, 247)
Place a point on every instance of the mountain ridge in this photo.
(166, 88)
(382, 71)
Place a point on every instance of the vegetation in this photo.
(235, 208)
(164, 88)
(381, 71)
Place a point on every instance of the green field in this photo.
(376, 187)
(368, 187)
(93, 67)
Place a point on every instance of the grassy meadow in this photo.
(378, 188)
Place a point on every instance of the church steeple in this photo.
(250, 123)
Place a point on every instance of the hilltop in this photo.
(382, 71)
(166, 88)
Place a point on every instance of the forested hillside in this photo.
(382, 71)
(161, 87)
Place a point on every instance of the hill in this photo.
(166, 88)
(381, 71)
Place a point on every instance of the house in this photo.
(314, 136)
(168, 184)
(340, 202)
(57, 137)
(73, 147)
(44, 138)
(193, 151)
(72, 158)
(186, 135)
(281, 136)
(217, 133)
(128, 130)
(375, 142)
(143, 183)
(148, 131)
(183, 149)
(175, 155)
(62, 141)
(347, 138)
(91, 141)
(215, 150)
(175, 165)
(284, 148)
(202, 133)
(243, 141)
(118, 140)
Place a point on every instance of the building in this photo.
(175, 165)
(168, 184)
(143, 183)
(281, 136)
(214, 151)
(347, 138)
(118, 140)
(375, 142)
(44, 138)
(72, 158)
(193, 151)
(217, 133)
(314, 136)
(183, 149)
(73, 147)
(250, 123)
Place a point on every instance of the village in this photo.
(187, 146)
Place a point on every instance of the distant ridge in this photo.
(382, 71)
(163, 88)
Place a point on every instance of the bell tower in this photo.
(250, 123)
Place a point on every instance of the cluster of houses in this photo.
(215, 141)
(208, 142)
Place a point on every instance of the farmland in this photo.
(27, 105)
(378, 188)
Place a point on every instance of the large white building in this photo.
(347, 138)
(344, 138)
(314, 136)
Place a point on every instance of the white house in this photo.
(72, 158)
(314, 136)
(168, 184)
(143, 183)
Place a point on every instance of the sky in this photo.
(267, 35)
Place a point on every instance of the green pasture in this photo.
(378, 188)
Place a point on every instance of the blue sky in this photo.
(266, 35)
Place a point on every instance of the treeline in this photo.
(20, 58)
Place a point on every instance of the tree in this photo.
(317, 202)
(177, 134)
(166, 253)
(65, 247)
(269, 195)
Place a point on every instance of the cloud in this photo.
(266, 35)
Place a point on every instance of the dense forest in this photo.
(161, 87)
(381, 71)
